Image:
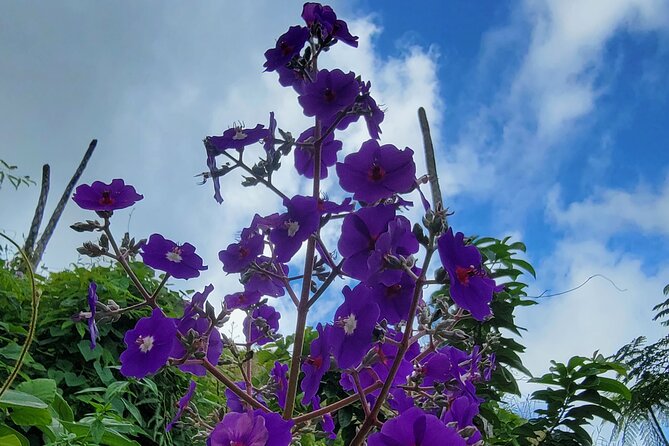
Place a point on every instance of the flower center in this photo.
(315, 361)
(463, 274)
(174, 255)
(106, 198)
(239, 134)
(393, 290)
(376, 173)
(292, 227)
(237, 443)
(350, 324)
(286, 48)
(329, 95)
(145, 343)
(243, 252)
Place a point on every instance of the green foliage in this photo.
(577, 393)
(90, 389)
(7, 172)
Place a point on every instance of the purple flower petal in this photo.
(149, 345)
(179, 261)
(106, 197)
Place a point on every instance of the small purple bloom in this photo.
(323, 22)
(353, 327)
(266, 284)
(414, 427)
(106, 197)
(279, 374)
(179, 261)
(292, 78)
(213, 174)
(471, 288)
(149, 345)
(237, 137)
(399, 400)
(394, 300)
(213, 345)
(294, 226)
(238, 256)
(287, 46)
(304, 156)
(365, 106)
(398, 242)
(359, 233)
(270, 140)
(92, 304)
(196, 304)
(316, 364)
(492, 365)
(331, 92)
(183, 403)
(462, 410)
(262, 324)
(327, 424)
(234, 403)
(376, 172)
(241, 300)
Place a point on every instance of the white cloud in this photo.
(612, 211)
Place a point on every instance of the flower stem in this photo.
(303, 305)
(240, 163)
(336, 406)
(222, 377)
(370, 420)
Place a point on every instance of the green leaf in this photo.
(589, 411)
(43, 388)
(10, 440)
(97, 430)
(613, 386)
(6, 434)
(16, 399)
(62, 409)
(28, 416)
(109, 438)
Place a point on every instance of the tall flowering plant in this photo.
(399, 359)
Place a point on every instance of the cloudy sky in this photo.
(549, 118)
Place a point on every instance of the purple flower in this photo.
(359, 233)
(399, 400)
(327, 424)
(316, 364)
(394, 300)
(262, 324)
(279, 374)
(241, 300)
(414, 427)
(462, 410)
(234, 403)
(149, 345)
(237, 137)
(196, 304)
(92, 304)
(266, 284)
(106, 197)
(376, 172)
(471, 288)
(295, 226)
(288, 46)
(366, 106)
(323, 22)
(292, 78)
(238, 256)
(492, 365)
(251, 429)
(239, 428)
(331, 207)
(304, 156)
(398, 242)
(353, 327)
(270, 140)
(213, 344)
(331, 92)
(179, 261)
(183, 403)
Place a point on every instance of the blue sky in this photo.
(550, 121)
